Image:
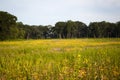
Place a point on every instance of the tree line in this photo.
(11, 29)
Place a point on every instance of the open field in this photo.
(60, 59)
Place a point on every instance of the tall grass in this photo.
(57, 59)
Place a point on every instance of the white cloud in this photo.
(109, 3)
(50, 11)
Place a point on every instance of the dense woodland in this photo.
(11, 29)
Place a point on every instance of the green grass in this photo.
(60, 59)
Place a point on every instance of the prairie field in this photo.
(60, 59)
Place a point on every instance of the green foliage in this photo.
(71, 29)
(7, 26)
(10, 29)
(60, 29)
(103, 29)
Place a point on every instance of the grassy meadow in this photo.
(60, 59)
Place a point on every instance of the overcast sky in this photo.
(48, 12)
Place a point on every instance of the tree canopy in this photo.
(10, 29)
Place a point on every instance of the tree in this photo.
(21, 30)
(81, 29)
(117, 29)
(103, 29)
(70, 28)
(60, 29)
(8, 28)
